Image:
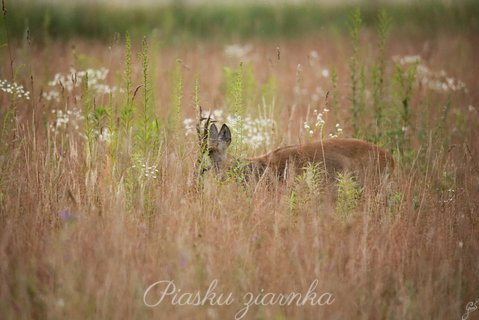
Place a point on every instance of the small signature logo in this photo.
(470, 308)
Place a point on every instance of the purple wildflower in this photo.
(66, 215)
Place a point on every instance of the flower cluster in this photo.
(75, 78)
(146, 170)
(255, 132)
(318, 124)
(51, 95)
(14, 89)
(64, 118)
(338, 133)
(437, 81)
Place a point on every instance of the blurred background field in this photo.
(98, 193)
(210, 20)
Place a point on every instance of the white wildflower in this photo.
(74, 79)
(255, 132)
(14, 89)
(145, 170)
(63, 119)
(437, 81)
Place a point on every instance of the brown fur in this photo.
(338, 155)
(361, 158)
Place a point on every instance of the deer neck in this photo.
(219, 159)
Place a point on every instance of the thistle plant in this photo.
(349, 193)
(235, 96)
(234, 88)
(88, 115)
(355, 22)
(293, 201)
(334, 84)
(249, 85)
(147, 127)
(313, 178)
(404, 80)
(307, 187)
(384, 23)
(238, 89)
(176, 98)
(127, 111)
(439, 130)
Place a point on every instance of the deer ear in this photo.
(225, 135)
(213, 132)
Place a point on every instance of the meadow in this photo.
(99, 196)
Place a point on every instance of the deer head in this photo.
(213, 145)
(218, 142)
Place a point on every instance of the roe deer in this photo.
(336, 155)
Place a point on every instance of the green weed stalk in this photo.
(355, 22)
(379, 69)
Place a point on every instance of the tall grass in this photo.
(87, 223)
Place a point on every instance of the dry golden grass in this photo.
(415, 258)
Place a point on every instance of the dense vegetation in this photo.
(98, 193)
